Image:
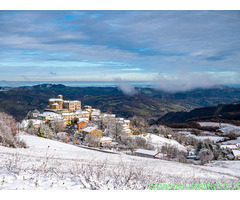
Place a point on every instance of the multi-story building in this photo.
(60, 105)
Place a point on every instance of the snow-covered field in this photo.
(232, 141)
(211, 137)
(49, 164)
(226, 128)
(158, 141)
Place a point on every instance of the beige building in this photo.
(60, 104)
(92, 130)
(72, 105)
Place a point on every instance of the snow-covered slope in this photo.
(226, 128)
(210, 137)
(161, 141)
(48, 164)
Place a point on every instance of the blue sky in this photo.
(198, 47)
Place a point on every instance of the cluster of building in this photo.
(235, 150)
(60, 110)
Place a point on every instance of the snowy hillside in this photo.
(49, 164)
(225, 128)
(161, 141)
(208, 136)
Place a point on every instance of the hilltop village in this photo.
(68, 121)
(70, 116)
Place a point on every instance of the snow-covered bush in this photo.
(161, 130)
(208, 151)
(133, 143)
(57, 126)
(8, 132)
(205, 156)
(113, 128)
(44, 131)
(91, 140)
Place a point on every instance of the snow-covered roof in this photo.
(127, 121)
(229, 146)
(89, 129)
(236, 153)
(55, 104)
(68, 114)
(37, 122)
(120, 119)
(25, 123)
(51, 114)
(105, 139)
(108, 115)
(147, 152)
(83, 120)
(95, 113)
(76, 101)
(85, 112)
(52, 99)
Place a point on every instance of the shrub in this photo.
(195, 132)
(44, 131)
(205, 156)
(232, 136)
(8, 132)
(134, 142)
(91, 140)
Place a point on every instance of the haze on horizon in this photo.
(173, 49)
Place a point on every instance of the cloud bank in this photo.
(125, 87)
(184, 81)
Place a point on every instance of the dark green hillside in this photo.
(222, 112)
(147, 102)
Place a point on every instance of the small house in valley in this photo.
(236, 154)
(82, 124)
(92, 130)
(105, 141)
(147, 153)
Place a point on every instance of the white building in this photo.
(50, 116)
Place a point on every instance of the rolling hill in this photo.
(222, 112)
(147, 102)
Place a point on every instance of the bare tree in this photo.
(139, 125)
(114, 129)
(91, 140)
(57, 125)
(205, 155)
(8, 132)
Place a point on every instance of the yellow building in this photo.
(60, 104)
(72, 105)
(88, 109)
(56, 103)
(92, 130)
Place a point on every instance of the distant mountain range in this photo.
(147, 102)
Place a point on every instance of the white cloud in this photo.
(125, 87)
(132, 69)
(185, 81)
